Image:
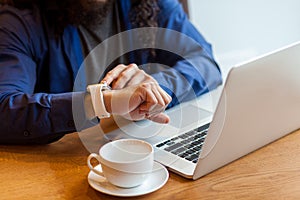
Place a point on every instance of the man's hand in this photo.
(137, 102)
(147, 99)
(126, 75)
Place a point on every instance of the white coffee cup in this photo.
(125, 163)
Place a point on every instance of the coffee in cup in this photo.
(125, 163)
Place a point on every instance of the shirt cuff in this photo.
(88, 107)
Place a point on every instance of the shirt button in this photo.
(70, 124)
(26, 133)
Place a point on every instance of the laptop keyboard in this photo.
(188, 145)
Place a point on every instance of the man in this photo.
(44, 43)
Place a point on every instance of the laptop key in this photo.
(187, 145)
(175, 138)
(179, 150)
(192, 157)
(160, 145)
(183, 155)
(184, 142)
(183, 136)
(174, 146)
(191, 133)
(190, 151)
(170, 143)
(198, 148)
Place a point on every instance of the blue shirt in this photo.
(38, 70)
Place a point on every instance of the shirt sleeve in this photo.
(28, 117)
(191, 70)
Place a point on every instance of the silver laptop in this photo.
(259, 103)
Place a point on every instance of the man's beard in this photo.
(86, 12)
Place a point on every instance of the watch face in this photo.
(105, 86)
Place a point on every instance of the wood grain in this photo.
(59, 171)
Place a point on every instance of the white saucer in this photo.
(155, 181)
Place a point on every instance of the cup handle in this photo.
(97, 157)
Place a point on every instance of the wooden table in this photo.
(59, 171)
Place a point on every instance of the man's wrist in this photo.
(98, 99)
(107, 94)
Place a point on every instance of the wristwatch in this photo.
(97, 99)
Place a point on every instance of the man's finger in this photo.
(114, 73)
(161, 118)
(125, 76)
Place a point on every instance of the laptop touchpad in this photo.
(186, 114)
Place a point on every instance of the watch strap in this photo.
(95, 91)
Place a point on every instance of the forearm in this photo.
(36, 119)
(185, 82)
